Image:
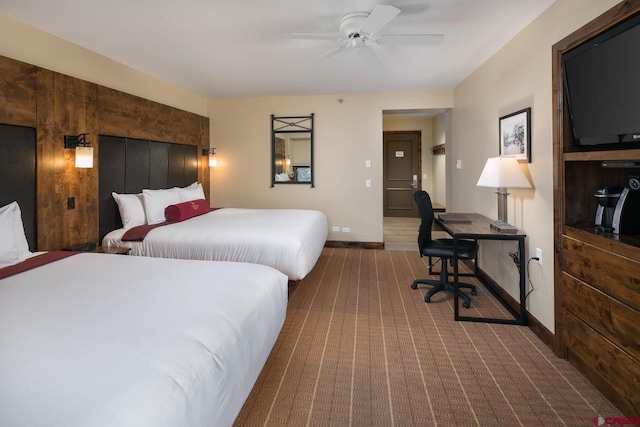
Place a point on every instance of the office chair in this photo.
(440, 248)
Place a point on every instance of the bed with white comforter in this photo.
(112, 340)
(289, 240)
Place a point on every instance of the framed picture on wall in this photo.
(515, 135)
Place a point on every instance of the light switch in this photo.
(367, 163)
(459, 164)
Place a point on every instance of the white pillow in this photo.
(193, 185)
(155, 202)
(191, 193)
(18, 229)
(8, 250)
(131, 209)
(14, 247)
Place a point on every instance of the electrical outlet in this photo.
(346, 230)
(335, 228)
(539, 256)
(367, 183)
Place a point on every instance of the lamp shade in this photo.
(503, 172)
(84, 157)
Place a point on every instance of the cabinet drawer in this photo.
(615, 275)
(615, 321)
(611, 370)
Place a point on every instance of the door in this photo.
(401, 172)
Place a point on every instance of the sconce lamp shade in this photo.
(213, 160)
(84, 157)
(503, 172)
(84, 152)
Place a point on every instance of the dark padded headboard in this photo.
(130, 165)
(18, 174)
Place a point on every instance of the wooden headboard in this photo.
(18, 174)
(130, 165)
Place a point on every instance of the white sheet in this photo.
(290, 240)
(113, 340)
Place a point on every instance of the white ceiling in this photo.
(237, 48)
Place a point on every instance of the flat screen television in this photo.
(602, 86)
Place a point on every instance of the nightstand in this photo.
(118, 250)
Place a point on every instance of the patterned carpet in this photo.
(360, 347)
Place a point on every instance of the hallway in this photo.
(401, 234)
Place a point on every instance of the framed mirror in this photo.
(292, 150)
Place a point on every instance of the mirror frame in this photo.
(291, 124)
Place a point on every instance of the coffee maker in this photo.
(607, 198)
(618, 208)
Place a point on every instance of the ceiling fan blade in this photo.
(325, 56)
(369, 57)
(380, 16)
(306, 36)
(412, 9)
(411, 39)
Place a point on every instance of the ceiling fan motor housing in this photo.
(351, 22)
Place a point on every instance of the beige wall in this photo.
(441, 131)
(28, 44)
(346, 135)
(518, 76)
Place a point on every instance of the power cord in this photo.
(535, 258)
(435, 263)
(516, 259)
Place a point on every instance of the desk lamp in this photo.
(500, 173)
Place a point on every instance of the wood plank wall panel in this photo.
(125, 115)
(58, 105)
(17, 93)
(66, 106)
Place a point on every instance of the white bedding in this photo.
(112, 340)
(289, 240)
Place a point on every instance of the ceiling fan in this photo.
(361, 30)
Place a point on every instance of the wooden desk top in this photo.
(473, 225)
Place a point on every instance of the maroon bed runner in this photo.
(137, 234)
(33, 262)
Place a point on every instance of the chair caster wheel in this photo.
(414, 286)
(474, 292)
(427, 300)
(466, 304)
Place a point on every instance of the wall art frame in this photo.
(514, 132)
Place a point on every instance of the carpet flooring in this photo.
(359, 347)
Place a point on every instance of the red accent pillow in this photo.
(186, 210)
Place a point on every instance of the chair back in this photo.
(426, 217)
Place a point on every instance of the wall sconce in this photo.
(211, 153)
(84, 153)
(500, 173)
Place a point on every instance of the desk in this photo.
(476, 227)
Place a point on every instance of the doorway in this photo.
(401, 172)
